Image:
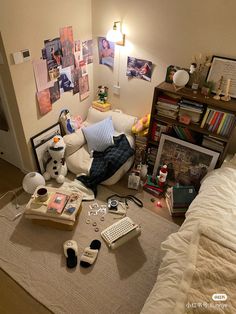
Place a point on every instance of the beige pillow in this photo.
(73, 142)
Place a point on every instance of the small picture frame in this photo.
(40, 145)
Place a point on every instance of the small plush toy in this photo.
(102, 94)
(70, 123)
(141, 127)
(56, 168)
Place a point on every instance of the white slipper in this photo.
(71, 252)
(90, 254)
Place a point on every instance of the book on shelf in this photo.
(185, 134)
(169, 99)
(218, 121)
(212, 143)
(159, 128)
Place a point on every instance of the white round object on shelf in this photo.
(31, 181)
(181, 78)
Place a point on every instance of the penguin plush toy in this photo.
(56, 168)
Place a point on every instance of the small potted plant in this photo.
(207, 87)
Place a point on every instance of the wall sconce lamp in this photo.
(115, 35)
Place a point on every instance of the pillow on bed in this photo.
(99, 136)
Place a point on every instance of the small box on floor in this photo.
(101, 106)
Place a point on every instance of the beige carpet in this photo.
(120, 280)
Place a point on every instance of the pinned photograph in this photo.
(139, 68)
(76, 76)
(170, 71)
(65, 80)
(54, 92)
(87, 50)
(52, 53)
(84, 87)
(82, 68)
(106, 52)
(77, 53)
(44, 101)
(67, 45)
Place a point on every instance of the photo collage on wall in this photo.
(63, 68)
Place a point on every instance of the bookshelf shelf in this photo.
(191, 126)
(160, 116)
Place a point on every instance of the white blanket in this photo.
(214, 206)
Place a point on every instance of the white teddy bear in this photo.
(56, 168)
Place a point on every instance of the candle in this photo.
(227, 87)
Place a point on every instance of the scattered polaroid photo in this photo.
(87, 50)
(139, 68)
(65, 80)
(106, 52)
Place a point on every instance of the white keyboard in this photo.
(120, 232)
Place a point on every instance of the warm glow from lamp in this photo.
(115, 35)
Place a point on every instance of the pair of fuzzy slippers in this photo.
(87, 258)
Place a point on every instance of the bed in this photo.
(197, 274)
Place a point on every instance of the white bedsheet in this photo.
(215, 205)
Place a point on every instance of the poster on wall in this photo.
(77, 53)
(106, 52)
(67, 44)
(41, 75)
(44, 101)
(65, 80)
(87, 50)
(84, 87)
(139, 68)
(52, 53)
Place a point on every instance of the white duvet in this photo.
(214, 206)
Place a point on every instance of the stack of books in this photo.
(218, 122)
(192, 109)
(178, 199)
(185, 134)
(101, 107)
(152, 187)
(140, 148)
(159, 128)
(212, 143)
(167, 106)
(151, 158)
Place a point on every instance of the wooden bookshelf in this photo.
(208, 102)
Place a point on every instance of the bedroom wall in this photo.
(26, 24)
(164, 32)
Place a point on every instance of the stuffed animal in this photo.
(102, 94)
(70, 123)
(141, 127)
(56, 168)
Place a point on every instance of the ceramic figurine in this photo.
(226, 97)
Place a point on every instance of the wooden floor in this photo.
(11, 178)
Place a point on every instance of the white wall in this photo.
(26, 24)
(164, 32)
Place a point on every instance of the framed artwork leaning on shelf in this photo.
(40, 144)
(187, 163)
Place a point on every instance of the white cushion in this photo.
(122, 122)
(99, 135)
(73, 142)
